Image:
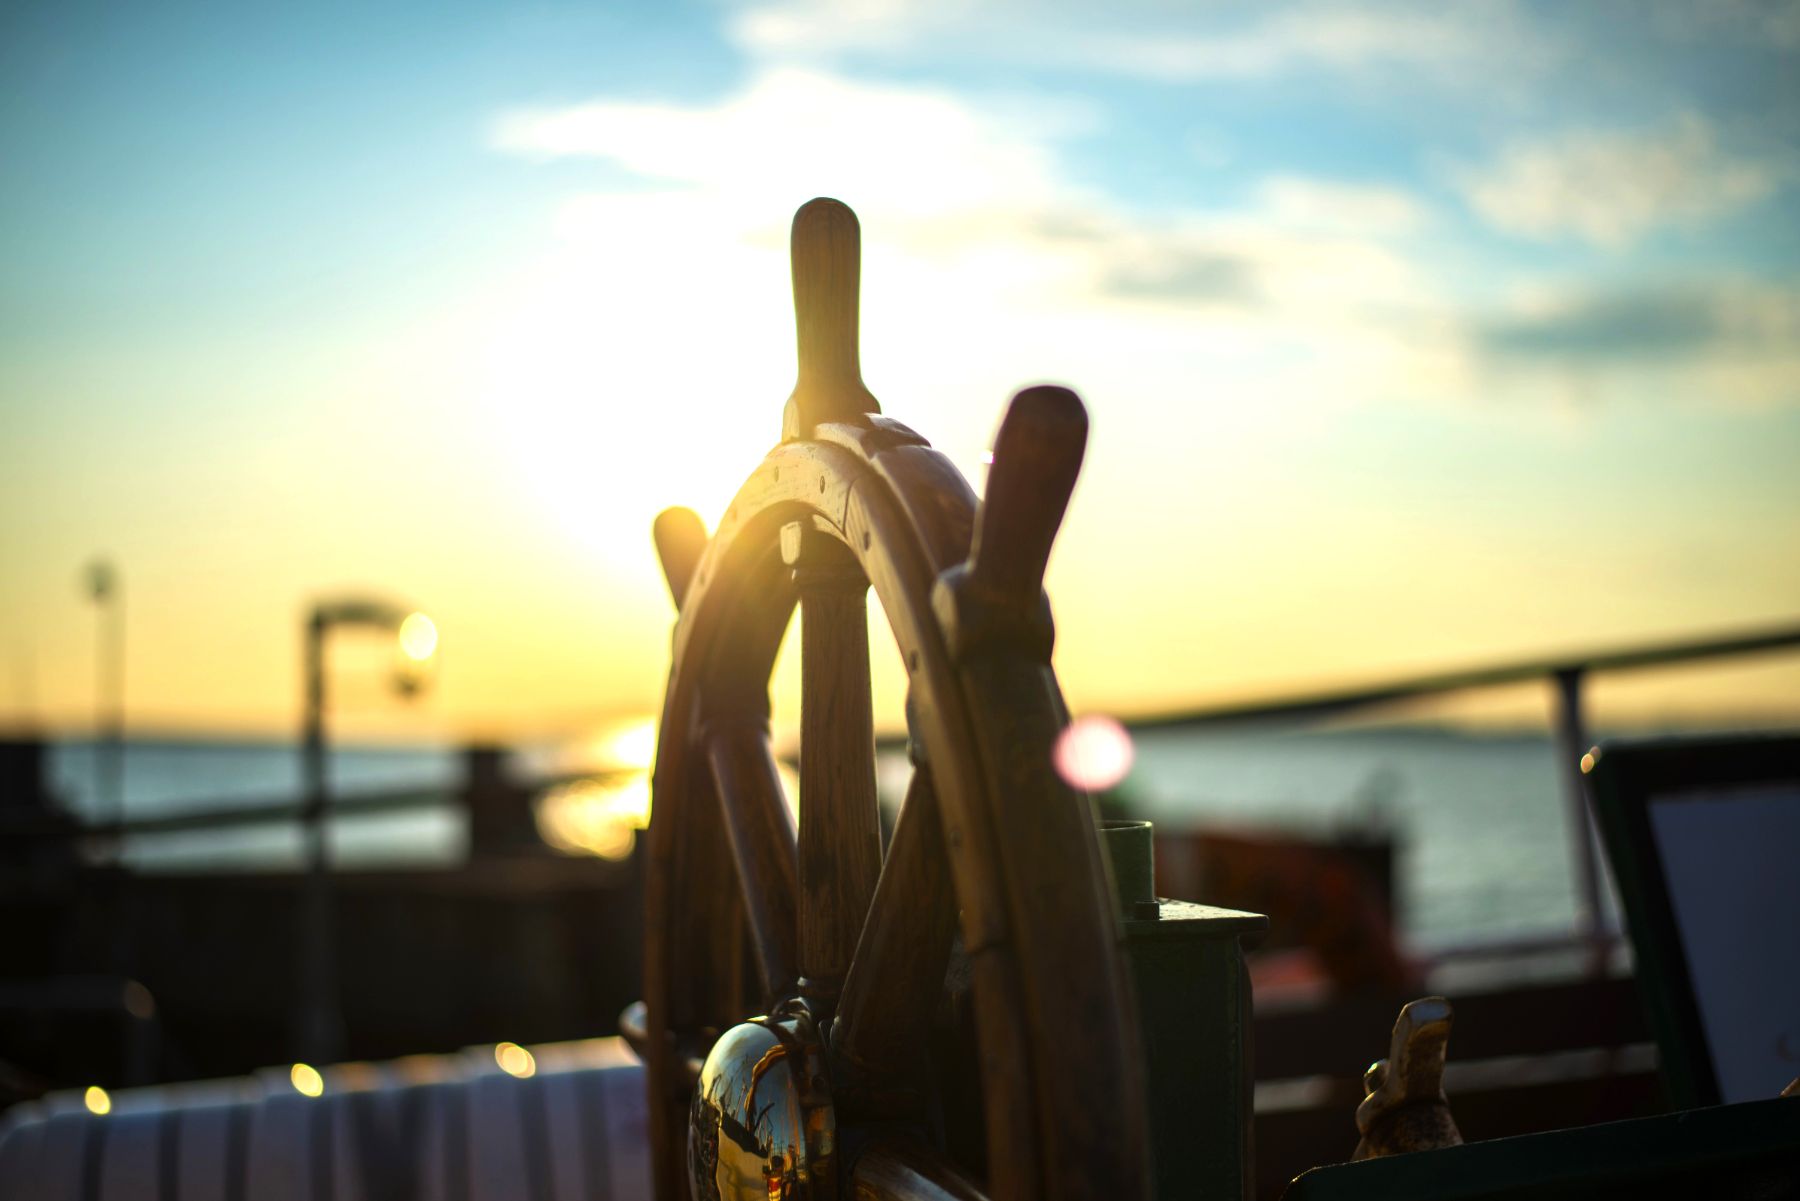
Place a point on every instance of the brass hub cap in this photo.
(762, 1124)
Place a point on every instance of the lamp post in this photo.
(104, 590)
(320, 1023)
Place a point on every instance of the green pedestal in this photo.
(1193, 994)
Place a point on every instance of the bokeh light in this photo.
(306, 1080)
(515, 1060)
(97, 1100)
(418, 637)
(1094, 753)
(599, 817)
(139, 1003)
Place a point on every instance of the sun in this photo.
(624, 376)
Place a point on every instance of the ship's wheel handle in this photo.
(826, 252)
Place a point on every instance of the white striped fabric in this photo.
(426, 1128)
(131, 1156)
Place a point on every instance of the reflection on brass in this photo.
(1406, 1109)
(1793, 1088)
(762, 1124)
(903, 1170)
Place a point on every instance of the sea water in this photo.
(173, 776)
(1485, 842)
(1485, 838)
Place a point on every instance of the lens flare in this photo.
(1094, 753)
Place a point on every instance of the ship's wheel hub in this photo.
(762, 1123)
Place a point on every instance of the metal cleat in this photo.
(1405, 1109)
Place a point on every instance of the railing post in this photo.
(1571, 745)
(498, 811)
(320, 1026)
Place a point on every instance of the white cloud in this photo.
(988, 263)
(1755, 22)
(1220, 347)
(920, 152)
(1612, 188)
(949, 181)
(1154, 40)
(784, 27)
(1341, 38)
(1358, 209)
(1704, 341)
(1651, 321)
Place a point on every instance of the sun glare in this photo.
(576, 359)
(632, 746)
(596, 817)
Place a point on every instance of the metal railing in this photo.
(242, 814)
(1565, 673)
(1316, 705)
(316, 1002)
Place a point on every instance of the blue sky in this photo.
(178, 141)
(365, 293)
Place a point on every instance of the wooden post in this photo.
(1571, 745)
(320, 1033)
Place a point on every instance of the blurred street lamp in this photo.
(321, 1024)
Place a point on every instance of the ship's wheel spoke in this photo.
(715, 988)
(897, 978)
(840, 829)
(910, 1171)
(760, 830)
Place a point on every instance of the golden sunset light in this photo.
(729, 599)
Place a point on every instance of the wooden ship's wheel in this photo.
(795, 983)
